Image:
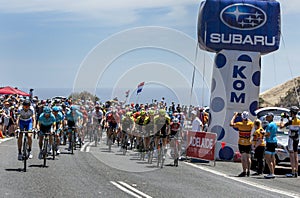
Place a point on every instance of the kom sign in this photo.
(239, 31)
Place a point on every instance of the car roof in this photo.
(275, 110)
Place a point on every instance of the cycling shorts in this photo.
(25, 125)
(293, 144)
(44, 129)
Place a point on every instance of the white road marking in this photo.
(89, 146)
(125, 190)
(5, 139)
(134, 190)
(261, 186)
(84, 146)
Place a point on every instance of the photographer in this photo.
(294, 126)
(258, 146)
(245, 127)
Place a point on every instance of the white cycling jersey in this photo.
(97, 115)
(26, 115)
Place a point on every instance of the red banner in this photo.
(201, 145)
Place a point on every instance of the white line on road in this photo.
(5, 139)
(134, 190)
(89, 146)
(125, 189)
(84, 146)
(261, 186)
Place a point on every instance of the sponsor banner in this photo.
(201, 145)
(247, 25)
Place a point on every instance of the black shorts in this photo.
(71, 124)
(270, 148)
(245, 149)
(162, 134)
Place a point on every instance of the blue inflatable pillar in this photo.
(239, 32)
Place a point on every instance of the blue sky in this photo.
(43, 44)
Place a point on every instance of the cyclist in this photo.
(127, 125)
(59, 124)
(294, 126)
(175, 134)
(112, 123)
(25, 121)
(73, 117)
(140, 123)
(97, 119)
(46, 123)
(149, 129)
(161, 124)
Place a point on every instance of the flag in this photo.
(140, 87)
(127, 93)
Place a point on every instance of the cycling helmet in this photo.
(47, 110)
(128, 114)
(151, 112)
(74, 107)
(176, 120)
(294, 109)
(26, 103)
(245, 115)
(162, 112)
(55, 109)
(143, 113)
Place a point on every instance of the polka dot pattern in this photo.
(226, 153)
(219, 130)
(220, 60)
(218, 104)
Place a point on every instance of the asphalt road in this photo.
(95, 172)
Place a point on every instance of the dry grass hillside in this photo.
(277, 95)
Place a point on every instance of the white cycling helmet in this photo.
(245, 115)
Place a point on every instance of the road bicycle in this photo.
(161, 153)
(25, 152)
(175, 144)
(45, 147)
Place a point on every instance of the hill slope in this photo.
(281, 95)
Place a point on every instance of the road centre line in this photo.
(125, 190)
(89, 146)
(261, 186)
(134, 190)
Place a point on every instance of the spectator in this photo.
(258, 145)
(294, 126)
(271, 140)
(244, 143)
(196, 122)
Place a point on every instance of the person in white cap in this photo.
(197, 125)
(244, 143)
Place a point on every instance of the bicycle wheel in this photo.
(158, 157)
(45, 151)
(72, 142)
(96, 137)
(53, 148)
(176, 155)
(25, 153)
(162, 157)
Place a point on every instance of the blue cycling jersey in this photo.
(59, 117)
(74, 115)
(272, 129)
(47, 121)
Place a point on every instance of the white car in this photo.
(282, 153)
